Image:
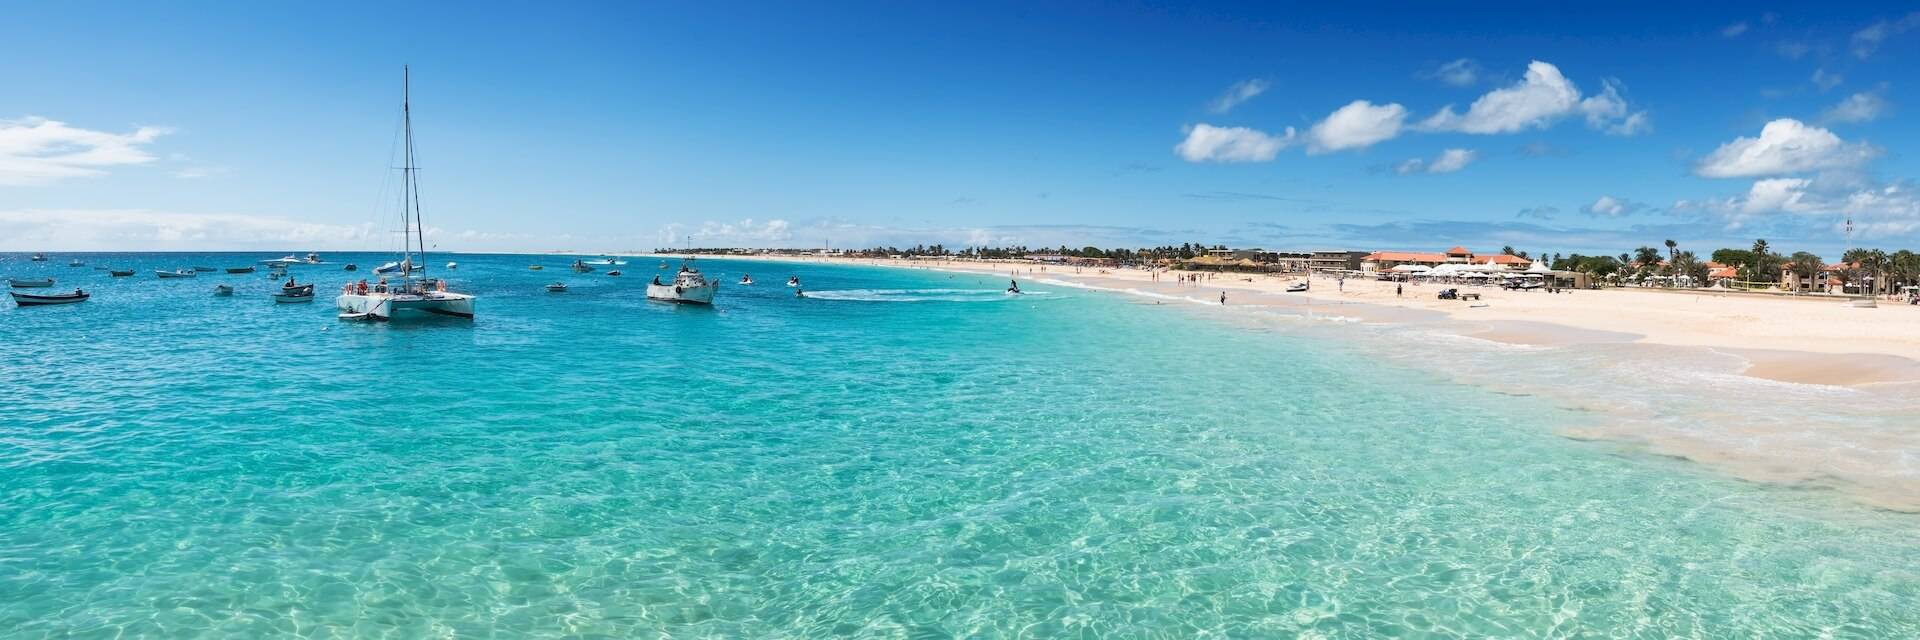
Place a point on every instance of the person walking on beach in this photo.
(1223, 298)
(1396, 289)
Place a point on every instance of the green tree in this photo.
(1671, 245)
(1805, 267)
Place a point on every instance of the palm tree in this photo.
(1671, 245)
(1686, 265)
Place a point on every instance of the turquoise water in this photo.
(907, 455)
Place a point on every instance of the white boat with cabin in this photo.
(688, 287)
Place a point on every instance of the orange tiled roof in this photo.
(1508, 260)
(1403, 256)
(1459, 251)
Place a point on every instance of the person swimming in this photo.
(799, 293)
(1013, 286)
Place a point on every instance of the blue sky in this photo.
(626, 126)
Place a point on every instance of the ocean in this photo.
(903, 453)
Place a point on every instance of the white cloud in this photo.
(1860, 107)
(1358, 125)
(1785, 146)
(1792, 50)
(146, 230)
(1826, 81)
(1874, 210)
(1539, 99)
(1733, 30)
(194, 173)
(1208, 143)
(1240, 92)
(743, 233)
(1460, 73)
(1611, 207)
(1449, 161)
(1869, 39)
(38, 151)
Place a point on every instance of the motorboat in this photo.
(453, 265)
(239, 269)
(534, 267)
(413, 294)
(292, 293)
(120, 273)
(688, 287)
(1298, 288)
(40, 300)
(663, 265)
(351, 267)
(205, 269)
(313, 258)
(614, 272)
(557, 287)
(391, 267)
(282, 262)
(177, 273)
(39, 257)
(76, 263)
(746, 279)
(30, 283)
(277, 273)
(222, 289)
(582, 267)
(607, 262)
(793, 281)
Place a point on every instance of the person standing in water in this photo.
(1223, 298)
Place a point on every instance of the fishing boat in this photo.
(39, 300)
(663, 265)
(607, 262)
(120, 273)
(222, 289)
(291, 293)
(351, 267)
(534, 267)
(413, 294)
(39, 257)
(205, 269)
(176, 273)
(557, 287)
(582, 267)
(30, 283)
(313, 258)
(239, 269)
(76, 263)
(614, 272)
(277, 273)
(688, 287)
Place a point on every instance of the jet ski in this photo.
(793, 281)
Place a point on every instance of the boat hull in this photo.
(386, 306)
(293, 299)
(175, 274)
(30, 300)
(240, 270)
(683, 295)
(31, 284)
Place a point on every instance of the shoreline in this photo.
(1781, 338)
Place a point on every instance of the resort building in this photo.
(1379, 261)
(1336, 260)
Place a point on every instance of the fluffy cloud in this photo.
(1860, 107)
(1208, 143)
(1611, 207)
(745, 233)
(1238, 93)
(1449, 161)
(1734, 30)
(1538, 213)
(1882, 210)
(1785, 146)
(1358, 125)
(1867, 40)
(37, 151)
(1539, 99)
(141, 229)
(1460, 73)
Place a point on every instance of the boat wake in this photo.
(921, 295)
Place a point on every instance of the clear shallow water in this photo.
(911, 465)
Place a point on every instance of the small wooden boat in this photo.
(582, 267)
(120, 273)
(352, 267)
(359, 317)
(176, 273)
(557, 287)
(204, 269)
(223, 290)
(39, 257)
(614, 272)
(453, 265)
(24, 283)
(76, 263)
(239, 269)
(534, 267)
(37, 300)
(302, 293)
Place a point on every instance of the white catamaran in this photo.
(415, 293)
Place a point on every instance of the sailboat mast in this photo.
(410, 209)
